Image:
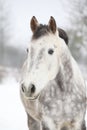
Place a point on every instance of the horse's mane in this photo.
(63, 35)
(44, 30)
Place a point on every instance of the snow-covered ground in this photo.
(12, 113)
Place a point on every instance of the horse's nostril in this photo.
(23, 88)
(32, 88)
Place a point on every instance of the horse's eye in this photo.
(27, 50)
(50, 51)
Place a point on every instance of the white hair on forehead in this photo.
(47, 41)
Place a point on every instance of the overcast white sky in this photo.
(21, 12)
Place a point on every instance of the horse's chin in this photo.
(32, 97)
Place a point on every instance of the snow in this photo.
(12, 113)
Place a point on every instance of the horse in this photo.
(52, 88)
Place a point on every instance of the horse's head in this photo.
(43, 62)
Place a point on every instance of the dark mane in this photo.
(44, 30)
(63, 35)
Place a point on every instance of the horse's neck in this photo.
(65, 74)
(70, 80)
(66, 66)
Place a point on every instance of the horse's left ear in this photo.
(52, 25)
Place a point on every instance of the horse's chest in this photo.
(31, 107)
(56, 109)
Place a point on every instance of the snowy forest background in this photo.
(71, 15)
(75, 25)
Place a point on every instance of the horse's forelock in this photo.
(42, 30)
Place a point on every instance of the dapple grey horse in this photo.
(52, 87)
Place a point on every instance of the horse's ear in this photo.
(34, 24)
(52, 25)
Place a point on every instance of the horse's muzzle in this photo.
(30, 92)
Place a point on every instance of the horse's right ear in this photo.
(34, 24)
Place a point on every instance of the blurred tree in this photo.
(14, 57)
(4, 34)
(9, 55)
(77, 31)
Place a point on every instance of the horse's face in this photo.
(41, 66)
